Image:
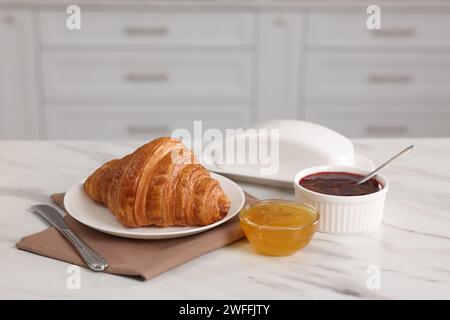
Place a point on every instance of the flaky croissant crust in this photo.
(159, 184)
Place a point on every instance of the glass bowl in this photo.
(278, 227)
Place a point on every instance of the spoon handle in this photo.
(384, 165)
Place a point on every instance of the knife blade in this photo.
(92, 258)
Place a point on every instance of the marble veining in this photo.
(411, 248)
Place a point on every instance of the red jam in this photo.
(339, 184)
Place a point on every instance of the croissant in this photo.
(159, 184)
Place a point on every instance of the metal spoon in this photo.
(384, 165)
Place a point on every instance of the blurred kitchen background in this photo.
(139, 69)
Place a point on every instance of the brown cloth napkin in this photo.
(131, 257)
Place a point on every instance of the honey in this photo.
(278, 227)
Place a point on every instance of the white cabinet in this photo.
(398, 30)
(372, 119)
(391, 82)
(139, 73)
(163, 76)
(280, 65)
(149, 29)
(378, 77)
(18, 117)
(137, 122)
(143, 74)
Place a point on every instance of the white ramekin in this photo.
(343, 214)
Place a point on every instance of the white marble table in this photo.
(411, 248)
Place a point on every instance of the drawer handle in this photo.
(389, 78)
(394, 33)
(279, 22)
(147, 31)
(137, 129)
(8, 19)
(386, 129)
(147, 77)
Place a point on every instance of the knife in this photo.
(93, 259)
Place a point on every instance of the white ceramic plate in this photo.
(99, 217)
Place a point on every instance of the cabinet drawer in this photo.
(397, 30)
(148, 29)
(135, 123)
(384, 124)
(378, 76)
(161, 76)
